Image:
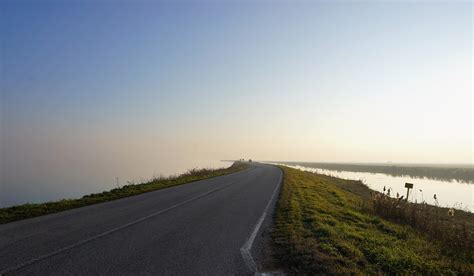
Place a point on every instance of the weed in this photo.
(440, 224)
(314, 233)
(33, 210)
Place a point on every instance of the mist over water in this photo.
(94, 91)
(44, 159)
(40, 183)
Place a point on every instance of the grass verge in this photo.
(322, 227)
(33, 210)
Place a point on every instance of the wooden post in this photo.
(408, 186)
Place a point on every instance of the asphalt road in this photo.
(202, 228)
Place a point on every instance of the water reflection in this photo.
(444, 172)
(55, 183)
(453, 193)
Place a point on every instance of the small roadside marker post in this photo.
(408, 186)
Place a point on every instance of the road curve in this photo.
(201, 228)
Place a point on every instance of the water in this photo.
(50, 182)
(449, 194)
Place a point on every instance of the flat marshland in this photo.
(329, 225)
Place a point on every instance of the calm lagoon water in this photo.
(449, 194)
(22, 184)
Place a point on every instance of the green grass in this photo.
(33, 210)
(321, 227)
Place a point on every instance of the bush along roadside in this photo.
(322, 226)
(33, 210)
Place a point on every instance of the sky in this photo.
(94, 90)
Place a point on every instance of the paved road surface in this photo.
(196, 228)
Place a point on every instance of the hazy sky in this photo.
(91, 90)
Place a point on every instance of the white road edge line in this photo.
(79, 243)
(245, 249)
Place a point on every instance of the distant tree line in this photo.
(464, 174)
